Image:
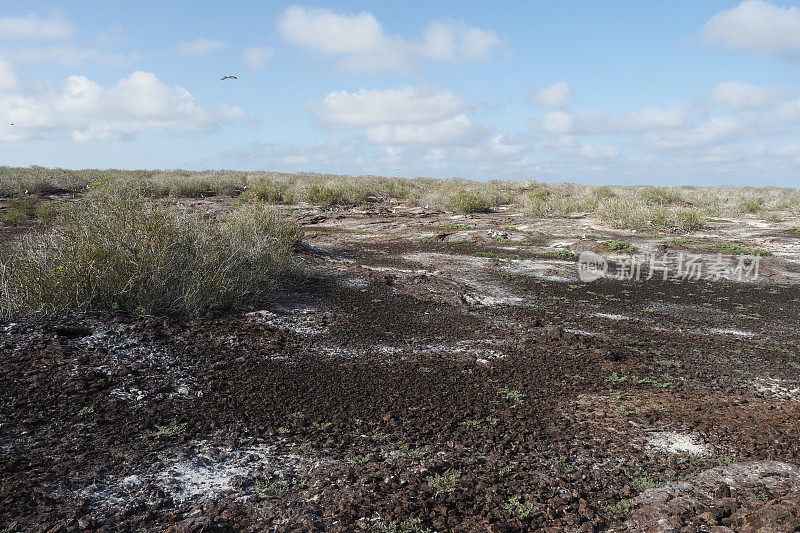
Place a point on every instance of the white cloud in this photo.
(323, 31)
(85, 111)
(498, 146)
(201, 47)
(34, 28)
(737, 95)
(787, 150)
(257, 58)
(596, 123)
(71, 55)
(450, 40)
(790, 110)
(394, 106)
(709, 132)
(8, 78)
(556, 96)
(598, 151)
(456, 130)
(756, 25)
(557, 122)
(361, 44)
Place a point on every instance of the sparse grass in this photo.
(495, 255)
(272, 489)
(662, 208)
(739, 249)
(268, 191)
(446, 482)
(406, 526)
(567, 255)
(516, 508)
(125, 252)
(334, 194)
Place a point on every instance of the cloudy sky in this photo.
(680, 92)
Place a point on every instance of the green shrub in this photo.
(753, 205)
(46, 212)
(469, 201)
(14, 217)
(271, 192)
(661, 195)
(325, 195)
(126, 252)
(19, 210)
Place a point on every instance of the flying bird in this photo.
(229, 78)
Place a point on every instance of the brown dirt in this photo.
(402, 356)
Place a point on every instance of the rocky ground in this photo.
(430, 372)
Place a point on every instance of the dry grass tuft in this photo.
(123, 251)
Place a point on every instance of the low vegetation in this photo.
(671, 209)
(121, 251)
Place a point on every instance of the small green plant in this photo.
(516, 508)
(417, 453)
(406, 526)
(616, 378)
(512, 395)
(567, 255)
(283, 430)
(723, 460)
(270, 489)
(167, 432)
(425, 370)
(446, 482)
(642, 483)
(620, 510)
(621, 246)
(306, 449)
(494, 255)
(458, 226)
(85, 411)
(359, 459)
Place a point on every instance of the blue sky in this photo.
(593, 92)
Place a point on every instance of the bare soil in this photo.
(405, 378)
